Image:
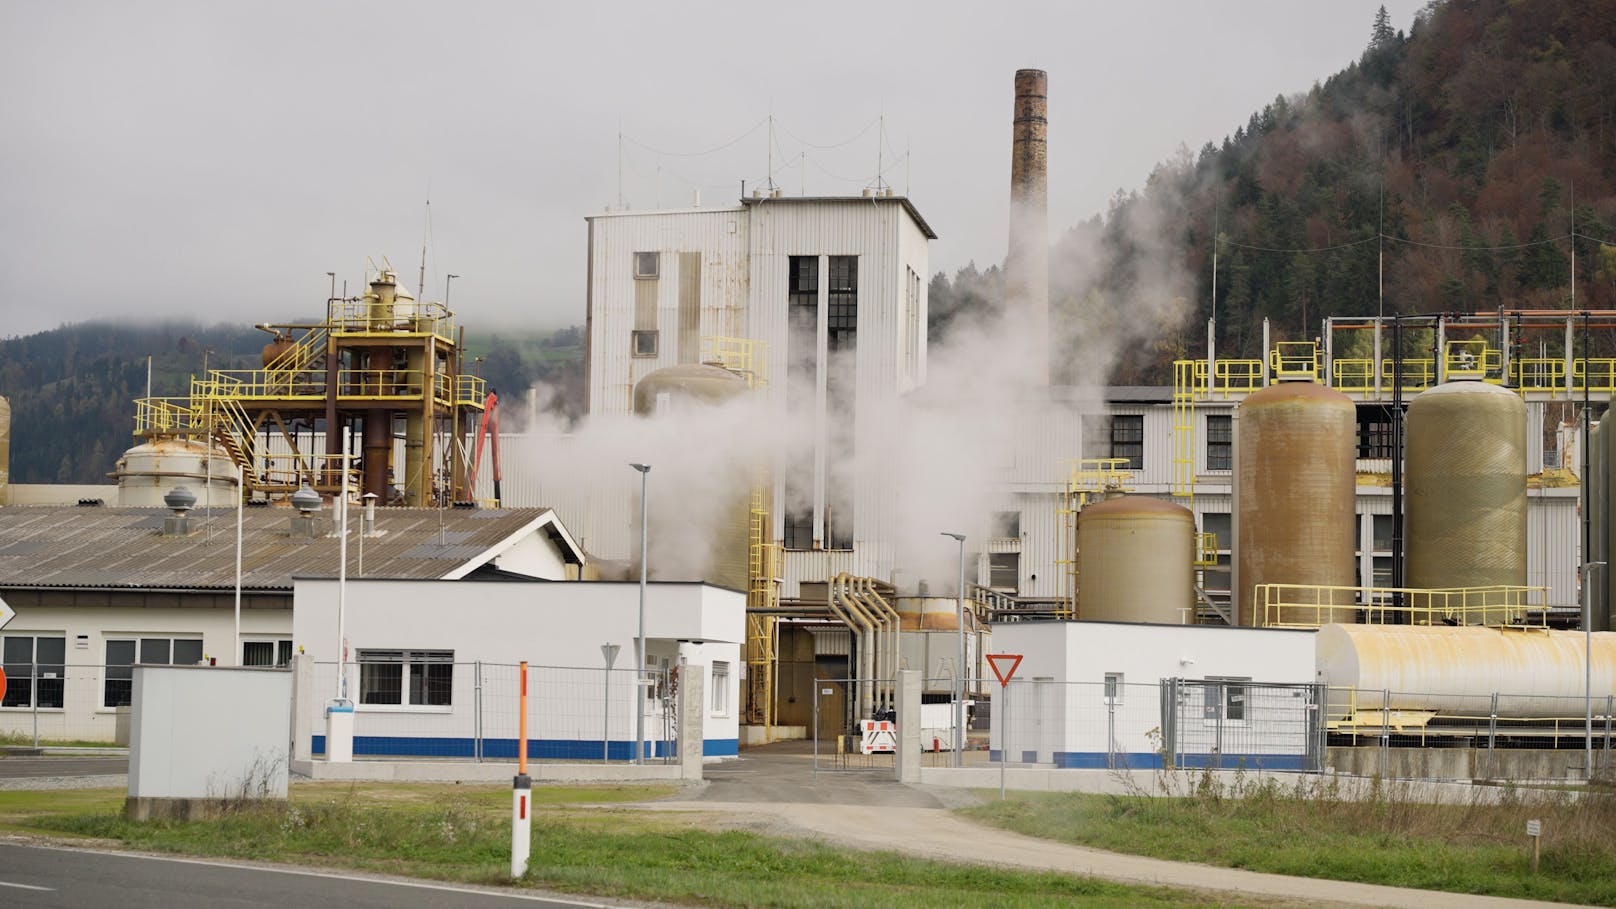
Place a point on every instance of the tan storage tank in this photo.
(1135, 558)
(1466, 492)
(5, 451)
(1297, 476)
(723, 523)
(1456, 670)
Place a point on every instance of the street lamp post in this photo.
(447, 281)
(639, 639)
(959, 667)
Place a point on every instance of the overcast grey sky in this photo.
(216, 159)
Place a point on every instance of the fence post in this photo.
(1385, 732)
(1110, 728)
(304, 705)
(1492, 735)
(907, 706)
(477, 714)
(1610, 707)
(33, 692)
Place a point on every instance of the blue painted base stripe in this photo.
(505, 749)
(1100, 760)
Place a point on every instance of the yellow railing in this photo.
(408, 384)
(1598, 373)
(303, 352)
(401, 316)
(744, 356)
(160, 416)
(1295, 360)
(1309, 606)
(1353, 375)
(1237, 376)
(1418, 374)
(1471, 360)
(261, 383)
(1206, 550)
(1186, 388)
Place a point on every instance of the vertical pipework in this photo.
(1027, 262)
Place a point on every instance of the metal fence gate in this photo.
(1229, 723)
(842, 710)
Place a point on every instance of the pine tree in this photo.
(1381, 34)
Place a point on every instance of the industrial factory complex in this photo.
(1394, 536)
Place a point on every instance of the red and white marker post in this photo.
(521, 792)
(1005, 672)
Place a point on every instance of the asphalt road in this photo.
(65, 765)
(37, 876)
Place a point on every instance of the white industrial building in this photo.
(432, 666)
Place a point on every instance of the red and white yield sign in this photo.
(1004, 666)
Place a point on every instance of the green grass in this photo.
(1310, 831)
(462, 834)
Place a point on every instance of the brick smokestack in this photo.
(1027, 263)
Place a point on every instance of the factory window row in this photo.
(35, 669)
(406, 678)
(124, 653)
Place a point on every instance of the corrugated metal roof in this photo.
(66, 546)
(904, 201)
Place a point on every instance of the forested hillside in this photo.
(72, 389)
(1472, 152)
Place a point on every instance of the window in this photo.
(406, 678)
(720, 688)
(1113, 688)
(645, 343)
(1006, 525)
(124, 653)
(1004, 571)
(1219, 442)
(266, 653)
(34, 670)
(1375, 431)
(1232, 697)
(1128, 439)
(645, 264)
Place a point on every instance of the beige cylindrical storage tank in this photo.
(1466, 489)
(722, 522)
(1456, 670)
(148, 471)
(5, 451)
(1135, 562)
(1297, 491)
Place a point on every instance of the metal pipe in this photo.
(639, 638)
(894, 624)
(959, 667)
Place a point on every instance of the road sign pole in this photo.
(1004, 746)
(1004, 667)
(609, 651)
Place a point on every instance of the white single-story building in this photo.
(1106, 694)
(97, 589)
(432, 666)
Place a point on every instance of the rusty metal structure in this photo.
(1295, 492)
(381, 367)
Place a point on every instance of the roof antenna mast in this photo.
(426, 230)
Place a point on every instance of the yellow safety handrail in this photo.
(1206, 550)
(1597, 373)
(1187, 388)
(1471, 359)
(1295, 360)
(402, 316)
(1353, 375)
(1238, 376)
(1418, 374)
(384, 383)
(303, 352)
(1311, 605)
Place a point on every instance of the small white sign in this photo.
(827, 692)
(1534, 828)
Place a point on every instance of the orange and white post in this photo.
(521, 793)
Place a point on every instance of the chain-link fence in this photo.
(414, 707)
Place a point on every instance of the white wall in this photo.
(557, 627)
(1057, 709)
(87, 630)
(201, 732)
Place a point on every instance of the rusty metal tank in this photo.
(1536, 672)
(5, 451)
(1466, 489)
(1297, 482)
(1135, 561)
(719, 523)
(276, 349)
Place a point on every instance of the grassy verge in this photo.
(462, 834)
(1309, 829)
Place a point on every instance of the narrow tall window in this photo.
(1219, 442)
(840, 391)
(720, 688)
(1128, 440)
(802, 379)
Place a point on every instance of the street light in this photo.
(447, 282)
(959, 668)
(639, 640)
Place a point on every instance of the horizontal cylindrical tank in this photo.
(148, 471)
(1135, 561)
(1297, 483)
(703, 537)
(1456, 670)
(1467, 489)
